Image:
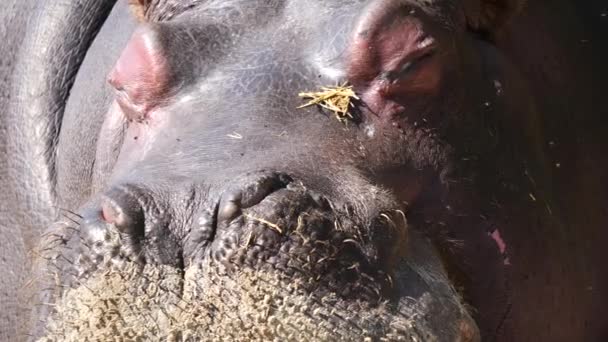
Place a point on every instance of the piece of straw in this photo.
(337, 99)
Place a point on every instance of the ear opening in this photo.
(488, 17)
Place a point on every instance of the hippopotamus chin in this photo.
(200, 197)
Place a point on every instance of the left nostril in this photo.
(123, 211)
(112, 214)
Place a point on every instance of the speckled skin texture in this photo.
(185, 197)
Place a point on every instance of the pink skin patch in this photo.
(502, 246)
(140, 75)
(140, 78)
(384, 61)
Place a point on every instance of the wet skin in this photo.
(437, 188)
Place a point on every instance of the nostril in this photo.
(123, 210)
(111, 214)
(230, 206)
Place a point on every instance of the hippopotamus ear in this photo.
(138, 7)
(489, 16)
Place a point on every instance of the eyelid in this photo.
(424, 48)
(410, 64)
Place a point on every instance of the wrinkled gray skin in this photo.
(32, 100)
(228, 184)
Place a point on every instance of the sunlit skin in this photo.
(325, 170)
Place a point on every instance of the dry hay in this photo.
(338, 99)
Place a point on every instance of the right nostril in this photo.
(123, 211)
(230, 206)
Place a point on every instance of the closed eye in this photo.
(407, 68)
(412, 65)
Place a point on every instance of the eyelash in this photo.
(409, 66)
(406, 68)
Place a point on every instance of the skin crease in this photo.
(455, 142)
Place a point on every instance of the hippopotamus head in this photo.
(224, 205)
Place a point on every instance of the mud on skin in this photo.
(209, 208)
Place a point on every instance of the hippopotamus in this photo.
(416, 170)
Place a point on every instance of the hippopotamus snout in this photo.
(263, 247)
(258, 220)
